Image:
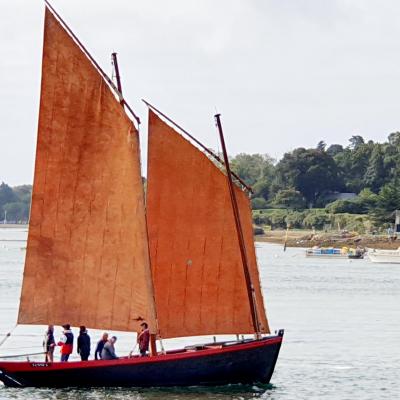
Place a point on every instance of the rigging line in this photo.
(23, 355)
(205, 148)
(7, 335)
(94, 62)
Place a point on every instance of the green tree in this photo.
(6, 195)
(309, 171)
(251, 167)
(17, 211)
(334, 149)
(388, 201)
(356, 141)
(375, 173)
(258, 203)
(289, 198)
(321, 145)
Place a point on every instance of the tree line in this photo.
(303, 179)
(15, 203)
(314, 178)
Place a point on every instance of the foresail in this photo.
(87, 260)
(197, 269)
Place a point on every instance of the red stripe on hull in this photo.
(242, 362)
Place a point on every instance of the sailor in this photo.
(144, 339)
(108, 352)
(49, 344)
(83, 343)
(66, 342)
(100, 345)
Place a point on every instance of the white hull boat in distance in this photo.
(384, 256)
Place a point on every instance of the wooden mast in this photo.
(117, 75)
(153, 342)
(242, 246)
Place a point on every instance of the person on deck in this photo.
(66, 342)
(49, 344)
(100, 345)
(108, 352)
(144, 339)
(83, 343)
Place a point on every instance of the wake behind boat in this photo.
(185, 262)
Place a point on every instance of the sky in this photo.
(282, 73)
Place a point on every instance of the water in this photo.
(341, 319)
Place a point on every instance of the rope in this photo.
(7, 335)
(23, 355)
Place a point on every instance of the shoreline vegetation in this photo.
(307, 239)
(328, 195)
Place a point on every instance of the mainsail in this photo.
(87, 259)
(197, 268)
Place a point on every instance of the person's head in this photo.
(105, 336)
(82, 329)
(66, 327)
(144, 325)
(50, 328)
(113, 339)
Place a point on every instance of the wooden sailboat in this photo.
(99, 254)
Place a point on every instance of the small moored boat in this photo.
(384, 256)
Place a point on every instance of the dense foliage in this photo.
(15, 203)
(368, 172)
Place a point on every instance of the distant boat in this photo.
(332, 252)
(384, 256)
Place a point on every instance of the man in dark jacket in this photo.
(108, 352)
(100, 345)
(144, 339)
(83, 343)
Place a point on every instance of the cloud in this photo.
(283, 73)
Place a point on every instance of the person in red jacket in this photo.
(144, 339)
(66, 342)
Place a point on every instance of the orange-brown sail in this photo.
(87, 256)
(197, 268)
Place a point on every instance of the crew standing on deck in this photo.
(66, 342)
(83, 343)
(100, 345)
(144, 339)
(49, 344)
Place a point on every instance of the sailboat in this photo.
(104, 254)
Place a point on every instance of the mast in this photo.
(153, 342)
(117, 75)
(235, 208)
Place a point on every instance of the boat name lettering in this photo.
(40, 365)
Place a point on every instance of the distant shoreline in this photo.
(20, 226)
(304, 238)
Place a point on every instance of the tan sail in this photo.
(87, 255)
(197, 269)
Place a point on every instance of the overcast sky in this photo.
(282, 73)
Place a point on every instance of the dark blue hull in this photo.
(241, 362)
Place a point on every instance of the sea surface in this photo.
(341, 319)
